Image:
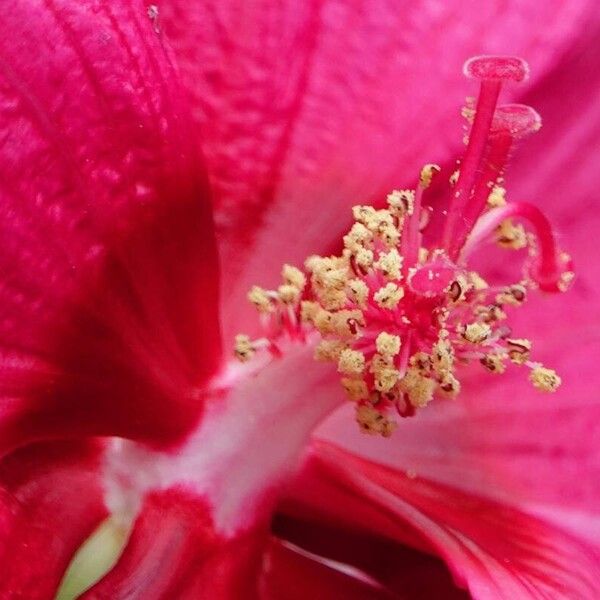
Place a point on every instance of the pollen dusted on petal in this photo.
(399, 311)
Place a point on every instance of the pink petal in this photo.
(174, 552)
(305, 109)
(498, 551)
(502, 439)
(108, 297)
(50, 502)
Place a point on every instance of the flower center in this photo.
(398, 316)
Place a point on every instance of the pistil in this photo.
(492, 72)
(398, 319)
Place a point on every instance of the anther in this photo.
(244, 350)
(351, 362)
(389, 296)
(494, 363)
(518, 350)
(260, 299)
(476, 333)
(546, 380)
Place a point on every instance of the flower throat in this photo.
(399, 318)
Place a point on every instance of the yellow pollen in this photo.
(331, 298)
(421, 361)
(288, 294)
(477, 333)
(364, 258)
(358, 292)
(386, 379)
(497, 197)
(371, 421)
(514, 295)
(384, 373)
(362, 214)
(449, 385)
(345, 322)
(423, 254)
(329, 350)
(293, 276)
(478, 282)
(258, 296)
(356, 389)
(389, 264)
(243, 350)
(442, 357)
(546, 380)
(454, 178)
(311, 262)
(309, 310)
(387, 344)
(357, 237)
(401, 202)
(491, 313)
(566, 279)
(389, 296)
(427, 174)
(351, 362)
(329, 272)
(323, 321)
(494, 363)
(518, 350)
(419, 388)
(379, 220)
(390, 236)
(510, 236)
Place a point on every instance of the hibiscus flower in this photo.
(121, 307)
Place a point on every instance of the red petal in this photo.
(307, 108)
(174, 552)
(293, 574)
(50, 502)
(498, 551)
(108, 291)
(408, 573)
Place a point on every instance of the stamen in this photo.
(544, 379)
(398, 318)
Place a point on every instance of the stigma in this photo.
(399, 317)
